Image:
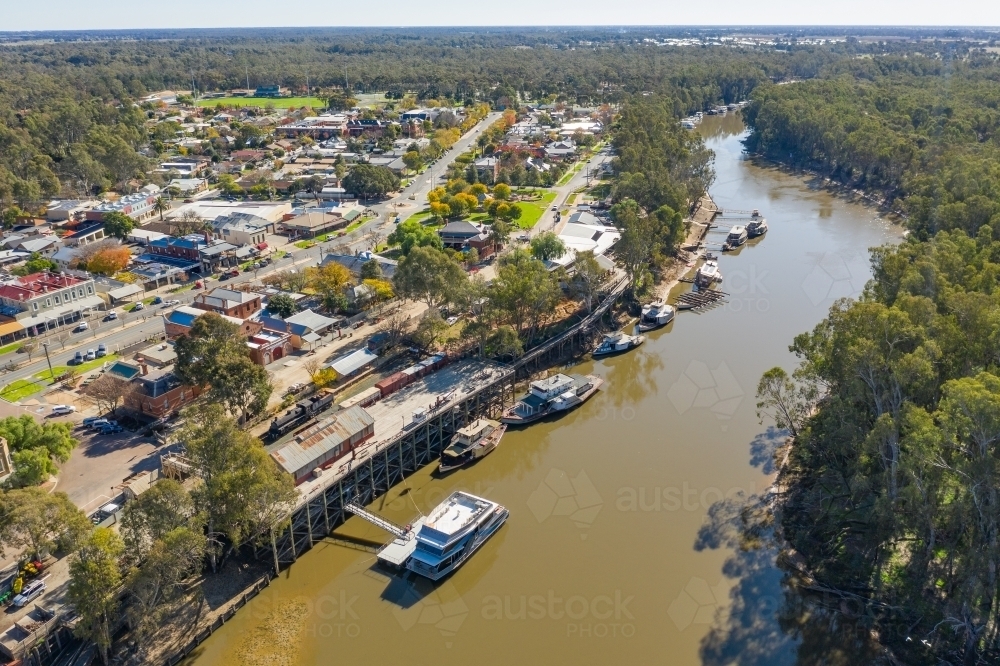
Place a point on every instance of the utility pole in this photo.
(45, 345)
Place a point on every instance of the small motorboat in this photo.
(618, 342)
(655, 315)
(707, 275)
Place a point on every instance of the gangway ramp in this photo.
(377, 520)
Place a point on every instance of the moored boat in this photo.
(471, 443)
(757, 226)
(655, 315)
(557, 393)
(618, 342)
(737, 237)
(707, 275)
(452, 532)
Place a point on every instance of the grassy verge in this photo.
(12, 347)
(87, 366)
(531, 211)
(20, 389)
(421, 217)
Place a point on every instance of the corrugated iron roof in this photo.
(315, 442)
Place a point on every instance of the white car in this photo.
(59, 410)
(31, 591)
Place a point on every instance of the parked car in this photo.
(157, 300)
(31, 591)
(102, 350)
(59, 410)
(555, 208)
(90, 420)
(91, 355)
(96, 424)
(111, 316)
(109, 429)
(234, 273)
(81, 327)
(138, 306)
(78, 358)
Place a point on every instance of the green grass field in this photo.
(20, 389)
(59, 370)
(14, 346)
(277, 102)
(531, 211)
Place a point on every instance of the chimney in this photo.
(143, 368)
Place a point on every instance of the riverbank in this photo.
(691, 249)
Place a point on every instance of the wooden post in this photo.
(274, 550)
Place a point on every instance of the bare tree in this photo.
(312, 365)
(395, 327)
(29, 347)
(109, 391)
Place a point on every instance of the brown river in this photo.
(610, 554)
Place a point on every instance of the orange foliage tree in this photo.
(109, 261)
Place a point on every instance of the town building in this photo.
(243, 229)
(462, 235)
(323, 444)
(354, 262)
(68, 209)
(313, 222)
(138, 206)
(238, 304)
(44, 301)
(159, 392)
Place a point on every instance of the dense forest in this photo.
(923, 132)
(891, 491)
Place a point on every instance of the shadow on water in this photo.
(772, 620)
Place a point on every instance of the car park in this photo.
(29, 593)
(59, 410)
(102, 350)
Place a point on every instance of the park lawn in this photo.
(14, 346)
(19, 390)
(421, 216)
(357, 223)
(278, 102)
(531, 211)
(305, 244)
(59, 370)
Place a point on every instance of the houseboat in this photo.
(471, 443)
(655, 315)
(757, 226)
(558, 393)
(707, 275)
(737, 236)
(618, 342)
(452, 532)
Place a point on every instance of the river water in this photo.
(613, 552)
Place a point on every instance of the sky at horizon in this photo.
(127, 14)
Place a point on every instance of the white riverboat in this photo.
(757, 226)
(558, 393)
(655, 315)
(737, 237)
(618, 342)
(471, 443)
(452, 532)
(707, 275)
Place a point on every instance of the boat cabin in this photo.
(550, 387)
(472, 433)
(737, 236)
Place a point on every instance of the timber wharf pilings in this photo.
(393, 461)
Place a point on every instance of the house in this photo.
(354, 262)
(488, 167)
(358, 295)
(238, 304)
(558, 150)
(306, 328)
(159, 392)
(65, 257)
(182, 252)
(43, 301)
(243, 229)
(142, 236)
(6, 464)
(68, 209)
(217, 255)
(188, 186)
(323, 444)
(180, 320)
(320, 128)
(138, 206)
(393, 163)
(366, 126)
(85, 234)
(315, 221)
(463, 235)
(43, 245)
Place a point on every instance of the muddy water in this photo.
(609, 555)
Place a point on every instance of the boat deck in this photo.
(396, 552)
